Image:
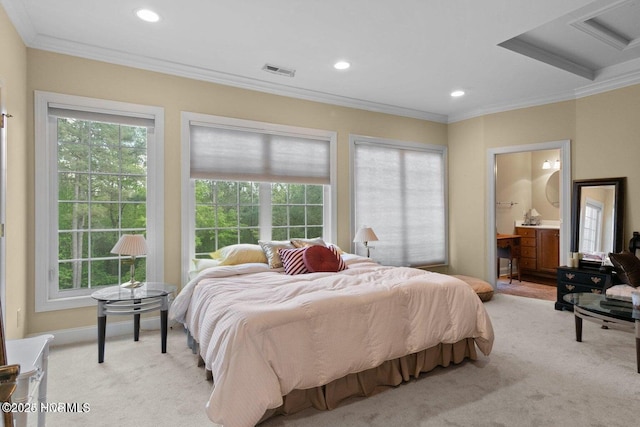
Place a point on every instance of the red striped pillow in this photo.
(336, 251)
(292, 260)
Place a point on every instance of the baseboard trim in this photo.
(90, 333)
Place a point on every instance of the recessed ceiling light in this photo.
(457, 93)
(341, 65)
(147, 15)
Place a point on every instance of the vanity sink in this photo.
(544, 224)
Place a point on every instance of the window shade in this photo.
(400, 193)
(252, 155)
(100, 116)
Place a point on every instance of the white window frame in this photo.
(188, 190)
(47, 297)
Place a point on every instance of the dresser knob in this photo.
(596, 280)
(596, 291)
(570, 287)
(570, 276)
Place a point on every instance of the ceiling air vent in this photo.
(279, 70)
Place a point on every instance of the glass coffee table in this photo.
(116, 300)
(608, 312)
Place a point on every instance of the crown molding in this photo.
(607, 84)
(614, 77)
(112, 56)
(611, 78)
(20, 19)
(607, 79)
(501, 108)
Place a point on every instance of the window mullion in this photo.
(266, 217)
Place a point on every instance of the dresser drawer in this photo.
(575, 280)
(526, 232)
(582, 277)
(528, 241)
(572, 288)
(528, 252)
(528, 263)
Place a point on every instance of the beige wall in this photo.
(521, 179)
(467, 189)
(70, 75)
(605, 142)
(608, 136)
(539, 179)
(468, 142)
(513, 184)
(13, 94)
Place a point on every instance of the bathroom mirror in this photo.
(552, 189)
(597, 218)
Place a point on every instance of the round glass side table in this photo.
(120, 301)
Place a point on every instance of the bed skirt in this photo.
(367, 383)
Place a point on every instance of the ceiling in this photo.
(406, 56)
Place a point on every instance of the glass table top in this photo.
(147, 290)
(598, 303)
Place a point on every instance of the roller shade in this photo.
(400, 193)
(222, 153)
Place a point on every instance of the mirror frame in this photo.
(618, 227)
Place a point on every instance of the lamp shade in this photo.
(130, 244)
(365, 234)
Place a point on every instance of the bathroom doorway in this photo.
(522, 193)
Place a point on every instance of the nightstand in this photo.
(117, 300)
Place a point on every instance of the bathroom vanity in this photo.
(539, 250)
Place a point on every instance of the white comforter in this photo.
(263, 333)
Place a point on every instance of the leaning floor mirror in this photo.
(597, 219)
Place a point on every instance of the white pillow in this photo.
(202, 263)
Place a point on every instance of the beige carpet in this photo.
(537, 375)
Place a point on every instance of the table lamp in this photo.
(365, 235)
(132, 245)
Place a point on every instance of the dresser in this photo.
(539, 250)
(573, 280)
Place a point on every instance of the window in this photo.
(98, 176)
(592, 226)
(297, 211)
(248, 181)
(229, 212)
(400, 191)
(226, 213)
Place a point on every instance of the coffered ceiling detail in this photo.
(586, 42)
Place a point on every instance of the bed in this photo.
(274, 342)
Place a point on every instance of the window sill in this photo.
(65, 303)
